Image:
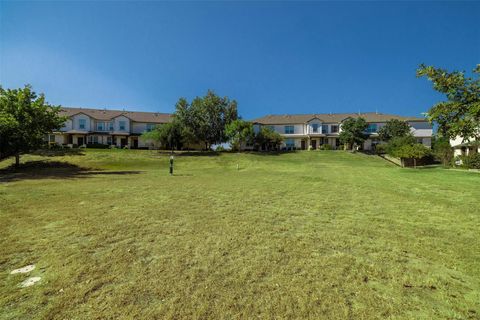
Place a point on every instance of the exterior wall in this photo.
(76, 122)
(116, 124)
(68, 125)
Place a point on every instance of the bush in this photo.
(219, 148)
(381, 148)
(471, 161)
(97, 146)
(326, 147)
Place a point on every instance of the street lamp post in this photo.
(171, 165)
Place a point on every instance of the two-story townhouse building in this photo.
(464, 148)
(110, 127)
(313, 130)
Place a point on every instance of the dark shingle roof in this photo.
(331, 118)
(99, 114)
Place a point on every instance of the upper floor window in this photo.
(82, 124)
(325, 128)
(289, 129)
(372, 127)
(100, 126)
(122, 125)
(150, 126)
(110, 126)
(315, 127)
(333, 128)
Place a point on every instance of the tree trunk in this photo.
(415, 163)
(17, 160)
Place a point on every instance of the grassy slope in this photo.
(304, 235)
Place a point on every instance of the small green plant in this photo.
(471, 161)
(381, 148)
(326, 147)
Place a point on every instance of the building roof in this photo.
(331, 118)
(104, 114)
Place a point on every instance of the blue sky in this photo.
(272, 57)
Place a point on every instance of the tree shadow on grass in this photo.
(59, 152)
(43, 169)
(190, 153)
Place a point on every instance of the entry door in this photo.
(123, 142)
(135, 143)
(314, 144)
(80, 141)
(303, 144)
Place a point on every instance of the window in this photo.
(372, 127)
(51, 138)
(333, 128)
(290, 143)
(92, 139)
(82, 123)
(289, 129)
(325, 128)
(100, 126)
(110, 126)
(315, 127)
(109, 140)
(419, 140)
(121, 125)
(150, 126)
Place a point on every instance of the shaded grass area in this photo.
(303, 235)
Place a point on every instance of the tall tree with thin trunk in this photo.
(25, 119)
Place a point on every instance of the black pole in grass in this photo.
(171, 165)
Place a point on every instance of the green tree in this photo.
(25, 119)
(353, 132)
(169, 135)
(268, 138)
(442, 150)
(393, 128)
(239, 132)
(207, 117)
(412, 151)
(460, 114)
(397, 142)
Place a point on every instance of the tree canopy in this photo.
(204, 120)
(460, 114)
(25, 119)
(353, 132)
(239, 132)
(268, 138)
(393, 128)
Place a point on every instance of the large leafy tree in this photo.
(412, 151)
(353, 132)
(239, 132)
(25, 119)
(169, 135)
(206, 117)
(393, 128)
(268, 138)
(460, 114)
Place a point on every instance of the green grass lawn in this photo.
(313, 235)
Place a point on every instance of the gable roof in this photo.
(105, 115)
(331, 118)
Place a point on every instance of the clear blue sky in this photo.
(272, 57)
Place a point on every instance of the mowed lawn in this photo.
(306, 235)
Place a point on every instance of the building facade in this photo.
(307, 131)
(107, 127)
(464, 148)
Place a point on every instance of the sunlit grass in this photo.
(301, 235)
